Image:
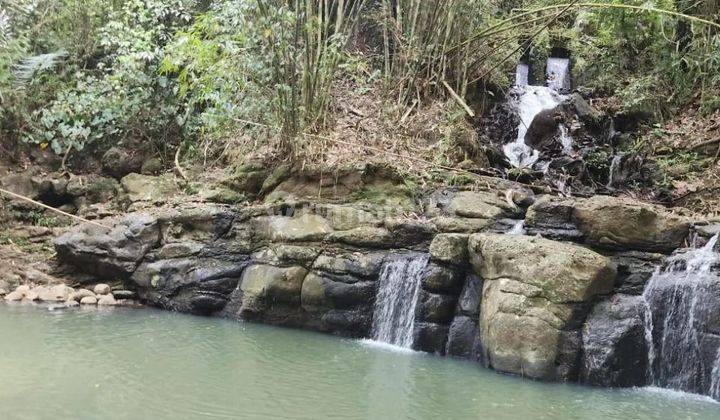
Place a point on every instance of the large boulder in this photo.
(118, 162)
(450, 248)
(615, 351)
(114, 252)
(535, 298)
(266, 285)
(481, 205)
(152, 189)
(323, 292)
(622, 223)
(608, 222)
(355, 264)
(197, 285)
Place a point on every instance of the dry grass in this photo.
(367, 128)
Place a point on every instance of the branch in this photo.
(45, 206)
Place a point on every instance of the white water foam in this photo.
(531, 100)
(398, 293)
(673, 300)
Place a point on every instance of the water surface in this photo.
(147, 364)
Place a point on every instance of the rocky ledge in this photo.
(559, 303)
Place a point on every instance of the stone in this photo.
(272, 284)
(464, 338)
(436, 308)
(152, 166)
(282, 253)
(220, 194)
(365, 237)
(22, 184)
(535, 296)
(615, 351)
(92, 189)
(481, 205)
(34, 294)
(357, 264)
(449, 248)
(124, 294)
(320, 292)
(634, 269)
(106, 300)
(71, 304)
(352, 323)
(152, 189)
(197, 285)
(469, 300)
(112, 252)
(101, 289)
(460, 225)
(118, 162)
(430, 337)
(552, 218)
(346, 217)
(408, 231)
(14, 296)
(81, 293)
(23, 289)
(312, 293)
(57, 293)
(437, 278)
(305, 227)
(88, 300)
(627, 224)
(586, 112)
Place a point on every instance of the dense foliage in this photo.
(75, 73)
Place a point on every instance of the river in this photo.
(150, 364)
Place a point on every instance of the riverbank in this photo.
(561, 302)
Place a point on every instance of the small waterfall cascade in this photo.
(522, 74)
(679, 304)
(558, 74)
(517, 229)
(565, 139)
(397, 296)
(530, 101)
(614, 170)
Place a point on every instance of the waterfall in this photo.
(517, 229)
(522, 74)
(398, 293)
(614, 170)
(531, 100)
(565, 139)
(558, 74)
(677, 311)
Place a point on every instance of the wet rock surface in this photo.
(614, 349)
(560, 307)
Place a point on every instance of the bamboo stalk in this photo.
(458, 99)
(648, 9)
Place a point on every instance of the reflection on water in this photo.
(147, 364)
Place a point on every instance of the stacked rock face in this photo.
(559, 303)
(535, 297)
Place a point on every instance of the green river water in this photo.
(150, 364)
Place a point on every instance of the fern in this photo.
(31, 66)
